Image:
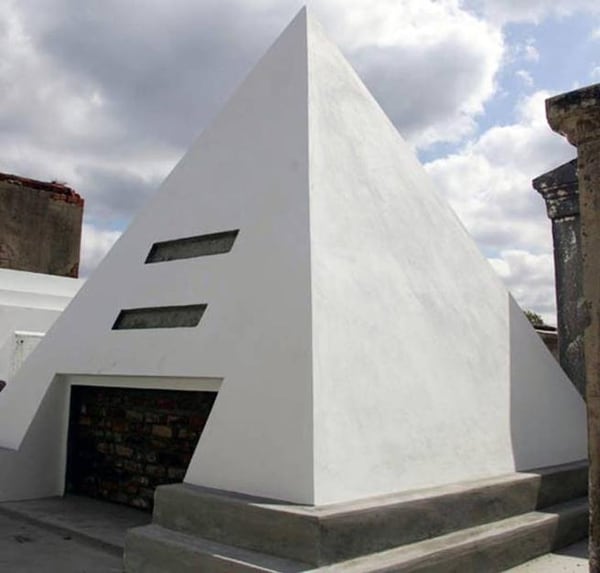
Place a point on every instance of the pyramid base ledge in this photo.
(538, 510)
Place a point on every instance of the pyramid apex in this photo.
(306, 18)
(300, 18)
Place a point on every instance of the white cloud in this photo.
(488, 183)
(58, 125)
(171, 70)
(595, 74)
(95, 243)
(107, 98)
(531, 53)
(530, 278)
(525, 77)
(42, 97)
(432, 65)
(504, 11)
(522, 52)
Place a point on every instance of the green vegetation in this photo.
(534, 318)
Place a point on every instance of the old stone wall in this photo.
(125, 442)
(40, 226)
(560, 190)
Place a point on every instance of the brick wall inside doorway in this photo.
(124, 442)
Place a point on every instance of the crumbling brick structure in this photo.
(40, 226)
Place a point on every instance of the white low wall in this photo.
(29, 305)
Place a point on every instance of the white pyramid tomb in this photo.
(360, 342)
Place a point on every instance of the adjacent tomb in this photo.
(40, 226)
(560, 191)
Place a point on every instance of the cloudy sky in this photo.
(106, 95)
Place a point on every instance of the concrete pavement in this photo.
(26, 548)
(72, 534)
(101, 524)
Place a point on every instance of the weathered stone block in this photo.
(162, 431)
(123, 451)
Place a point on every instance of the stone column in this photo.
(576, 115)
(561, 193)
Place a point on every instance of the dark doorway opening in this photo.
(123, 442)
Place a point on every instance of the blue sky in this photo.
(568, 54)
(106, 96)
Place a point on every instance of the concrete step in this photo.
(488, 548)
(155, 549)
(334, 533)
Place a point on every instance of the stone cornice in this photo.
(576, 114)
(560, 190)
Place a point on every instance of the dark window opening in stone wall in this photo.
(186, 316)
(125, 442)
(192, 247)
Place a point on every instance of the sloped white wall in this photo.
(248, 171)
(415, 339)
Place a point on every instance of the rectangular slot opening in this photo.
(191, 247)
(160, 317)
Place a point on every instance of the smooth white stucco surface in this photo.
(414, 367)
(23, 344)
(29, 302)
(37, 290)
(364, 344)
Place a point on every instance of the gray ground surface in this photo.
(99, 522)
(25, 548)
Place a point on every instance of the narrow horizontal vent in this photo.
(190, 247)
(160, 317)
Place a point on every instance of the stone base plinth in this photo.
(489, 525)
